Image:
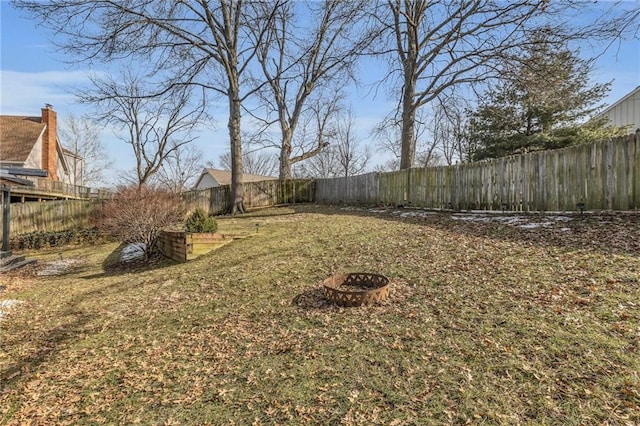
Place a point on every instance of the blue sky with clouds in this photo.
(31, 74)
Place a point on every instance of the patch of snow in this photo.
(9, 303)
(58, 267)
(509, 220)
(132, 252)
(565, 229)
(530, 226)
(458, 216)
(490, 212)
(5, 305)
(377, 211)
(525, 222)
(514, 220)
(414, 214)
(562, 219)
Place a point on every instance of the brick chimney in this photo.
(50, 142)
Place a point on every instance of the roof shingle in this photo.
(18, 135)
(223, 177)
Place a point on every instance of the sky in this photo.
(32, 73)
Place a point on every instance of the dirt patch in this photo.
(57, 267)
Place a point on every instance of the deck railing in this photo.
(51, 187)
(62, 188)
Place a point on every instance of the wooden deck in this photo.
(44, 189)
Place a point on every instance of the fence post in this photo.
(610, 176)
(6, 218)
(407, 197)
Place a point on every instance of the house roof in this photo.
(223, 177)
(620, 101)
(18, 135)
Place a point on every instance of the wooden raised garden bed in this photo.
(183, 246)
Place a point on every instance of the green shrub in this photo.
(39, 239)
(199, 221)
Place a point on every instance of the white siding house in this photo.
(211, 178)
(625, 112)
(206, 181)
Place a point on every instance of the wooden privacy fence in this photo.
(361, 189)
(256, 194)
(60, 215)
(603, 176)
(214, 201)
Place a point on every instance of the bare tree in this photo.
(81, 136)
(388, 165)
(451, 130)
(437, 45)
(209, 44)
(180, 169)
(352, 159)
(389, 140)
(256, 162)
(623, 22)
(322, 166)
(316, 128)
(306, 57)
(344, 156)
(155, 127)
(138, 214)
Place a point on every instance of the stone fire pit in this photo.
(356, 289)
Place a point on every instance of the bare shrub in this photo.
(139, 214)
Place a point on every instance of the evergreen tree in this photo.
(541, 103)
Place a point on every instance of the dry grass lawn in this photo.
(488, 323)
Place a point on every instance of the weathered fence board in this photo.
(393, 188)
(361, 189)
(602, 175)
(635, 173)
(212, 200)
(256, 194)
(48, 216)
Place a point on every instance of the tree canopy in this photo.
(542, 102)
(285, 64)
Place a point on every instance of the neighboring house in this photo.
(211, 178)
(75, 165)
(32, 143)
(625, 112)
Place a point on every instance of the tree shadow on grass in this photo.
(49, 342)
(313, 298)
(72, 322)
(603, 232)
(113, 265)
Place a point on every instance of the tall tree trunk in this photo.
(237, 190)
(409, 59)
(285, 154)
(408, 151)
